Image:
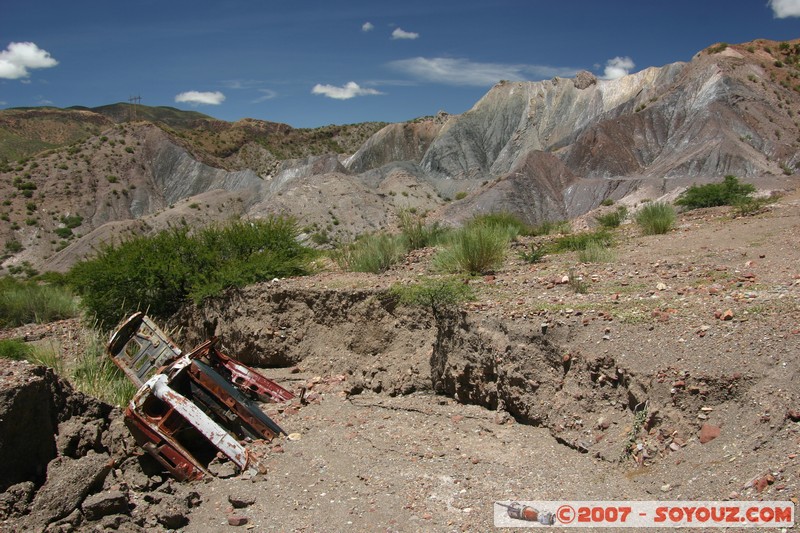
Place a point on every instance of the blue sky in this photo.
(310, 63)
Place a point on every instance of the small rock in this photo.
(666, 488)
(240, 502)
(661, 287)
(237, 520)
(103, 504)
(294, 436)
(793, 415)
(501, 417)
(427, 516)
(222, 470)
(727, 315)
(709, 432)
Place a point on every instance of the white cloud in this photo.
(452, 71)
(350, 90)
(198, 97)
(400, 33)
(266, 94)
(18, 58)
(785, 8)
(367, 26)
(618, 67)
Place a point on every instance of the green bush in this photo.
(97, 375)
(46, 356)
(416, 233)
(474, 249)
(434, 294)
(596, 253)
(613, 219)
(656, 218)
(37, 355)
(561, 227)
(750, 206)
(13, 246)
(536, 253)
(729, 192)
(580, 241)
(503, 221)
(72, 221)
(64, 233)
(27, 302)
(14, 349)
(374, 253)
(160, 272)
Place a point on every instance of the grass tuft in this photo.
(97, 375)
(656, 218)
(474, 249)
(25, 302)
(374, 253)
(613, 219)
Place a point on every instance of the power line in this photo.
(134, 101)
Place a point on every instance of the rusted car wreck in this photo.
(190, 407)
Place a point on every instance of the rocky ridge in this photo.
(542, 150)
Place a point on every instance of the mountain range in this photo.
(75, 178)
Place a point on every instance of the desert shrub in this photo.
(64, 233)
(656, 218)
(552, 228)
(535, 253)
(503, 221)
(606, 202)
(613, 219)
(750, 206)
(46, 356)
(474, 249)
(160, 272)
(460, 195)
(577, 283)
(728, 192)
(596, 253)
(721, 47)
(24, 302)
(579, 241)
(374, 253)
(14, 349)
(434, 294)
(97, 375)
(13, 246)
(72, 221)
(416, 233)
(37, 355)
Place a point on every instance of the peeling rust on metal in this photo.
(191, 407)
